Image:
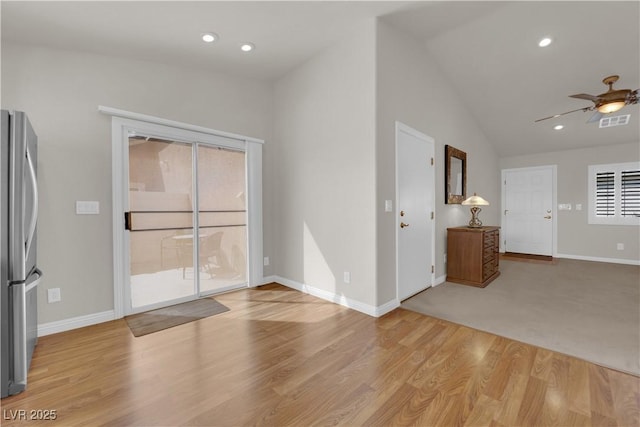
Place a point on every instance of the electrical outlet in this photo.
(620, 246)
(265, 261)
(347, 277)
(53, 295)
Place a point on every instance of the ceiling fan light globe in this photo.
(610, 107)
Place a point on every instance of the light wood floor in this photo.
(279, 357)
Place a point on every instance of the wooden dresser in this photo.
(472, 255)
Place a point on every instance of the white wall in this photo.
(324, 169)
(61, 90)
(576, 237)
(411, 89)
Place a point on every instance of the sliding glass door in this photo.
(186, 220)
(222, 218)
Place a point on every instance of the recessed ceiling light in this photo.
(544, 42)
(209, 37)
(558, 127)
(247, 47)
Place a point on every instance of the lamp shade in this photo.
(475, 200)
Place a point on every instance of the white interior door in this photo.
(529, 214)
(415, 188)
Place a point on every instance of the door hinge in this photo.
(432, 215)
(432, 161)
(433, 269)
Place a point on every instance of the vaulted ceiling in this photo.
(487, 51)
(492, 59)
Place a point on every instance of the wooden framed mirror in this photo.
(455, 185)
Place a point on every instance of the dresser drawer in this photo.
(488, 254)
(489, 239)
(488, 269)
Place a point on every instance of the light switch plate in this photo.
(564, 206)
(388, 206)
(87, 207)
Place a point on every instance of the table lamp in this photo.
(475, 201)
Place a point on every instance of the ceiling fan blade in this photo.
(595, 117)
(585, 96)
(562, 114)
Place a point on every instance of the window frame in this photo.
(616, 169)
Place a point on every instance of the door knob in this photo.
(403, 225)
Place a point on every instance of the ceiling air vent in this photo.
(607, 122)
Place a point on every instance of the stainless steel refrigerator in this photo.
(19, 273)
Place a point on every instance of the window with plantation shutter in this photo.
(630, 193)
(605, 193)
(614, 194)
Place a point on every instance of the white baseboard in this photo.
(386, 308)
(335, 298)
(75, 323)
(440, 280)
(269, 279)
(599, 259)
(106, 316)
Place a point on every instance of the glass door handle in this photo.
(127, 221)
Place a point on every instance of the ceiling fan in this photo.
(605, 103)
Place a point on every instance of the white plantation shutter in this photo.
(614, 194)
(605, 194)
(630, 192)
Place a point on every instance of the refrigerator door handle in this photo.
(34, 212)
(35, 283)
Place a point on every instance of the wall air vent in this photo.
(607, 122)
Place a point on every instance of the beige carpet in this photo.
(168, 317)
(589, 310)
